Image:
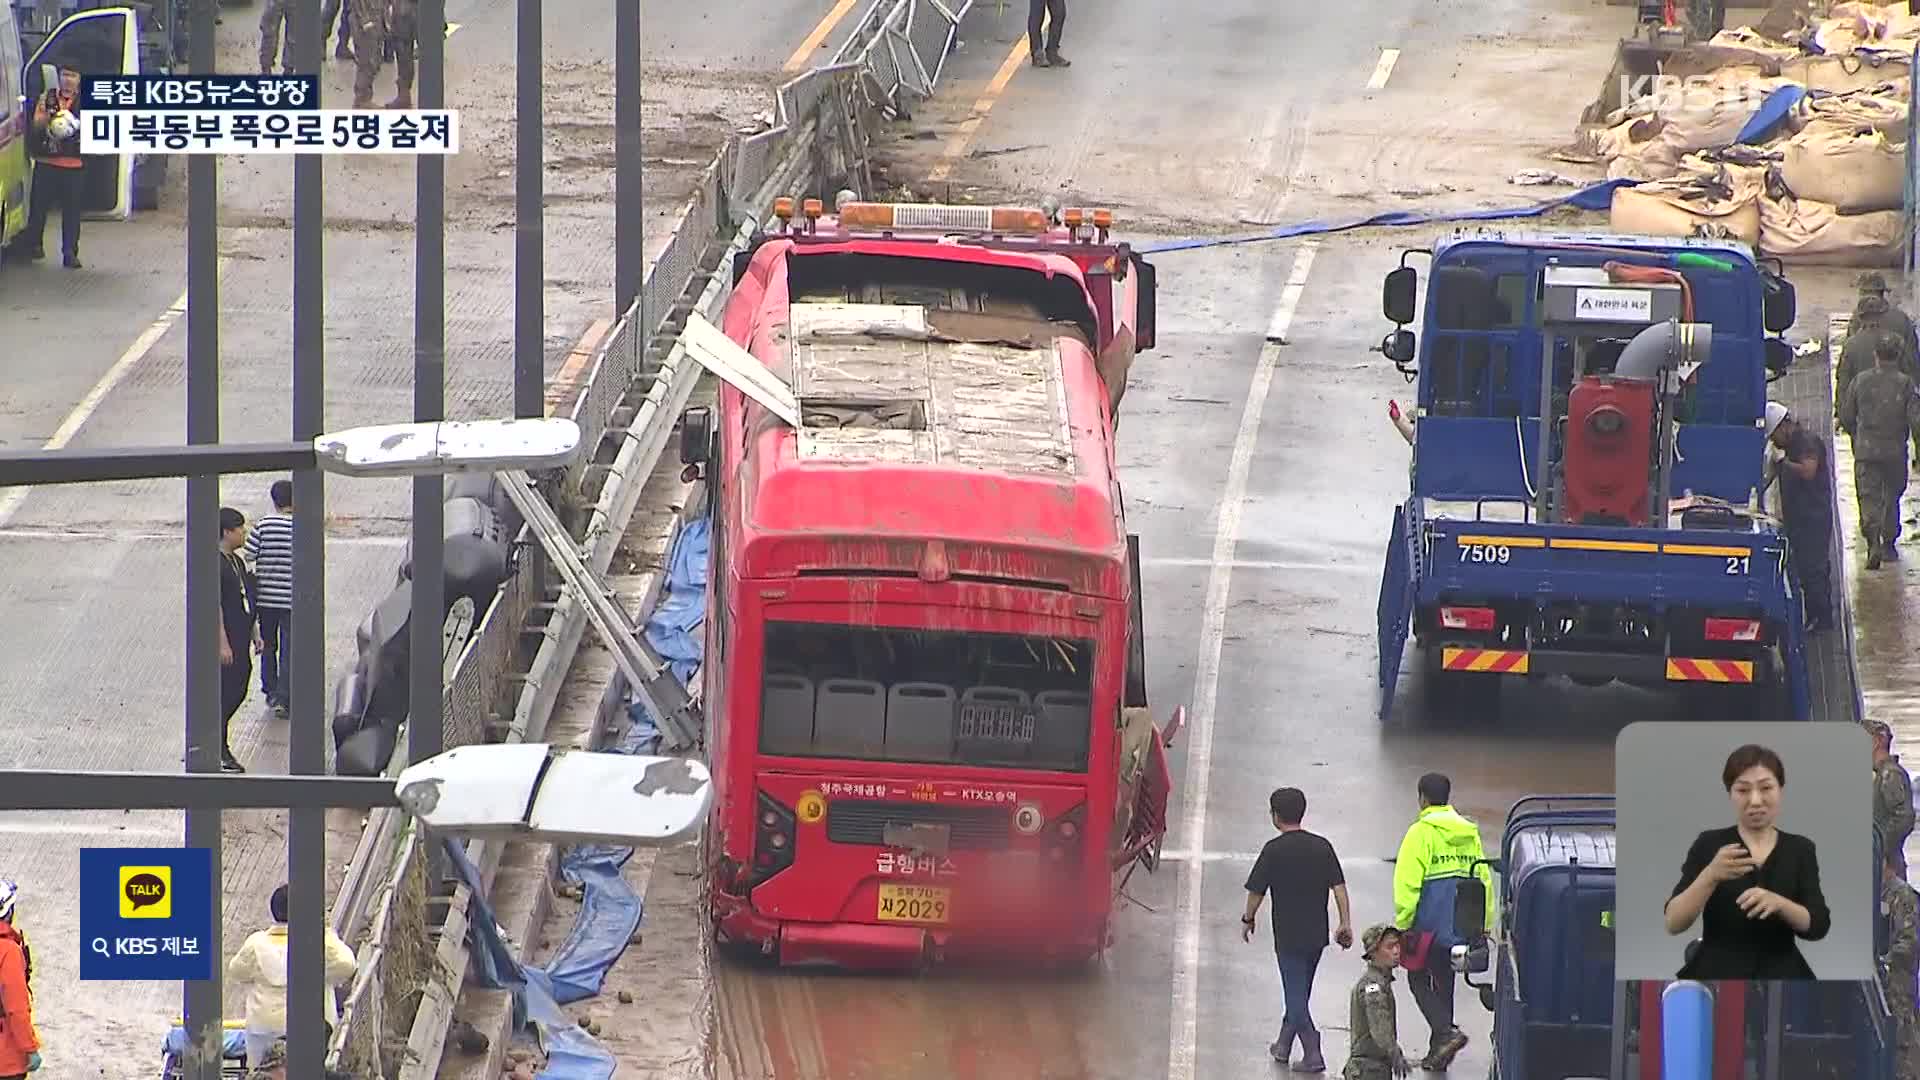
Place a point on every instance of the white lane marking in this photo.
(1289, 299)
(1383, 70)
(12, 498)
(1213, 632)
(1239, 564)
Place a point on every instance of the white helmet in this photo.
(9, 895)
(1776, 412)
(64, 125)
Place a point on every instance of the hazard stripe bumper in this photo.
(1680, 669)
(1633, 667)
(1497, 661)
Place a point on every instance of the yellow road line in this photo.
(802, 57)
(957, 146)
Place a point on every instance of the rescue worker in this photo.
(1440, 850)
(1373, 1046)
(1885, 315)
(1053, 15)
(1806, 503)
(1880, 409)
(403, 35)
(1892, 796)
(369, 45)
(273, 17)
(19, 1042)
(261, 967)
(1898, 901)
(58, 173)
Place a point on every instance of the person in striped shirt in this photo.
(270, 551)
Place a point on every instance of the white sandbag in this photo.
(1679, 208)
(1843, 74)
(1856, 171)
(1815, 234)
(1745, 45)
(1883, 108)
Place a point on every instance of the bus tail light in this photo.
(1733, 630)
(1066, 834)
(773, 836)
(1466, 618)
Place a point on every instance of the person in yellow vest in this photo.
(58, 170)
(261, 967)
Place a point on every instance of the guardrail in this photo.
(396, 1012)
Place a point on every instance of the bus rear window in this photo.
(880, 694)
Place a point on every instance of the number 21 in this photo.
(1737, 564)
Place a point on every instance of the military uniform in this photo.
(1892, 804)
(1879, 408)
(403, 29)
(369, 43)
(1875, 309)
(274, 1064)
(1374, 1048)
(274, 16)
(1903, 921)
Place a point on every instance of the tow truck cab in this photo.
(1624, 538)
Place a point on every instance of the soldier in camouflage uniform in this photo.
(369, 44)
(1879, 408)
(403, 30)
(1373, 1051)
(1892, 797)
(335, 9)
(1876, 308)
(273, 17)
(273, 1066)
(1902, 909)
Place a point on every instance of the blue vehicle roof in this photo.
(1733, 249)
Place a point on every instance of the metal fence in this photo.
(823, 121)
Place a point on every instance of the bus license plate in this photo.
(912, 903)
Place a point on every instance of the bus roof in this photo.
(968, 427)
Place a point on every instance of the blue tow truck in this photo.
(1559, 1014)
(1625, 538)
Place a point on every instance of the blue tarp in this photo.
(674, 627)
(234, 1045)
(610, 911)
(1771, 112)
(1593, 197)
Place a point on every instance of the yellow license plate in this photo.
(913, 903)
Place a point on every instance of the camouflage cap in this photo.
(275, 1057)
(1871, 282)
(1881, 729)
(1371, 936)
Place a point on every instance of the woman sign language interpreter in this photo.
(1755, 888)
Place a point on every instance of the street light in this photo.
(386, 450)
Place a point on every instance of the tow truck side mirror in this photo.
(1397, 295)
(1779, 356)
(1398, 346)
(1778, 309)
(696, 435)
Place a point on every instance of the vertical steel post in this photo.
(203, 1012)
(305, 660)
(425, 710)
(529, 270)
(629, 205)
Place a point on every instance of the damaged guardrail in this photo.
(638, 383)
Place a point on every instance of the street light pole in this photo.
(529, 250)
(203, 1012)
(427, 689)
(303, 665)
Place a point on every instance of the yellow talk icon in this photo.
(146, 892)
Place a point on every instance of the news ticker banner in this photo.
(247, 114)
(146, 914)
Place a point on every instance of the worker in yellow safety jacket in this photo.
(1440, 851)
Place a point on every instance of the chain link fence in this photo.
(823, 121)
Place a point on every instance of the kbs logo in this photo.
(1674, 92)
(146, 892)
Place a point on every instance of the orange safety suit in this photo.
(18, 1039)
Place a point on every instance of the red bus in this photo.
(924, 677)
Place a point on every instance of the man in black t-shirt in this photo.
(1806, 500)
(1299, 869)
(239, 633)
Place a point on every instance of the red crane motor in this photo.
(1609, 451)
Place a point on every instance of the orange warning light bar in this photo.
(934, 217)
(783, 208)
(812, 209)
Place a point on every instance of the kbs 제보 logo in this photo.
(146, 892)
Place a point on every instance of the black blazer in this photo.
(1733, 946)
